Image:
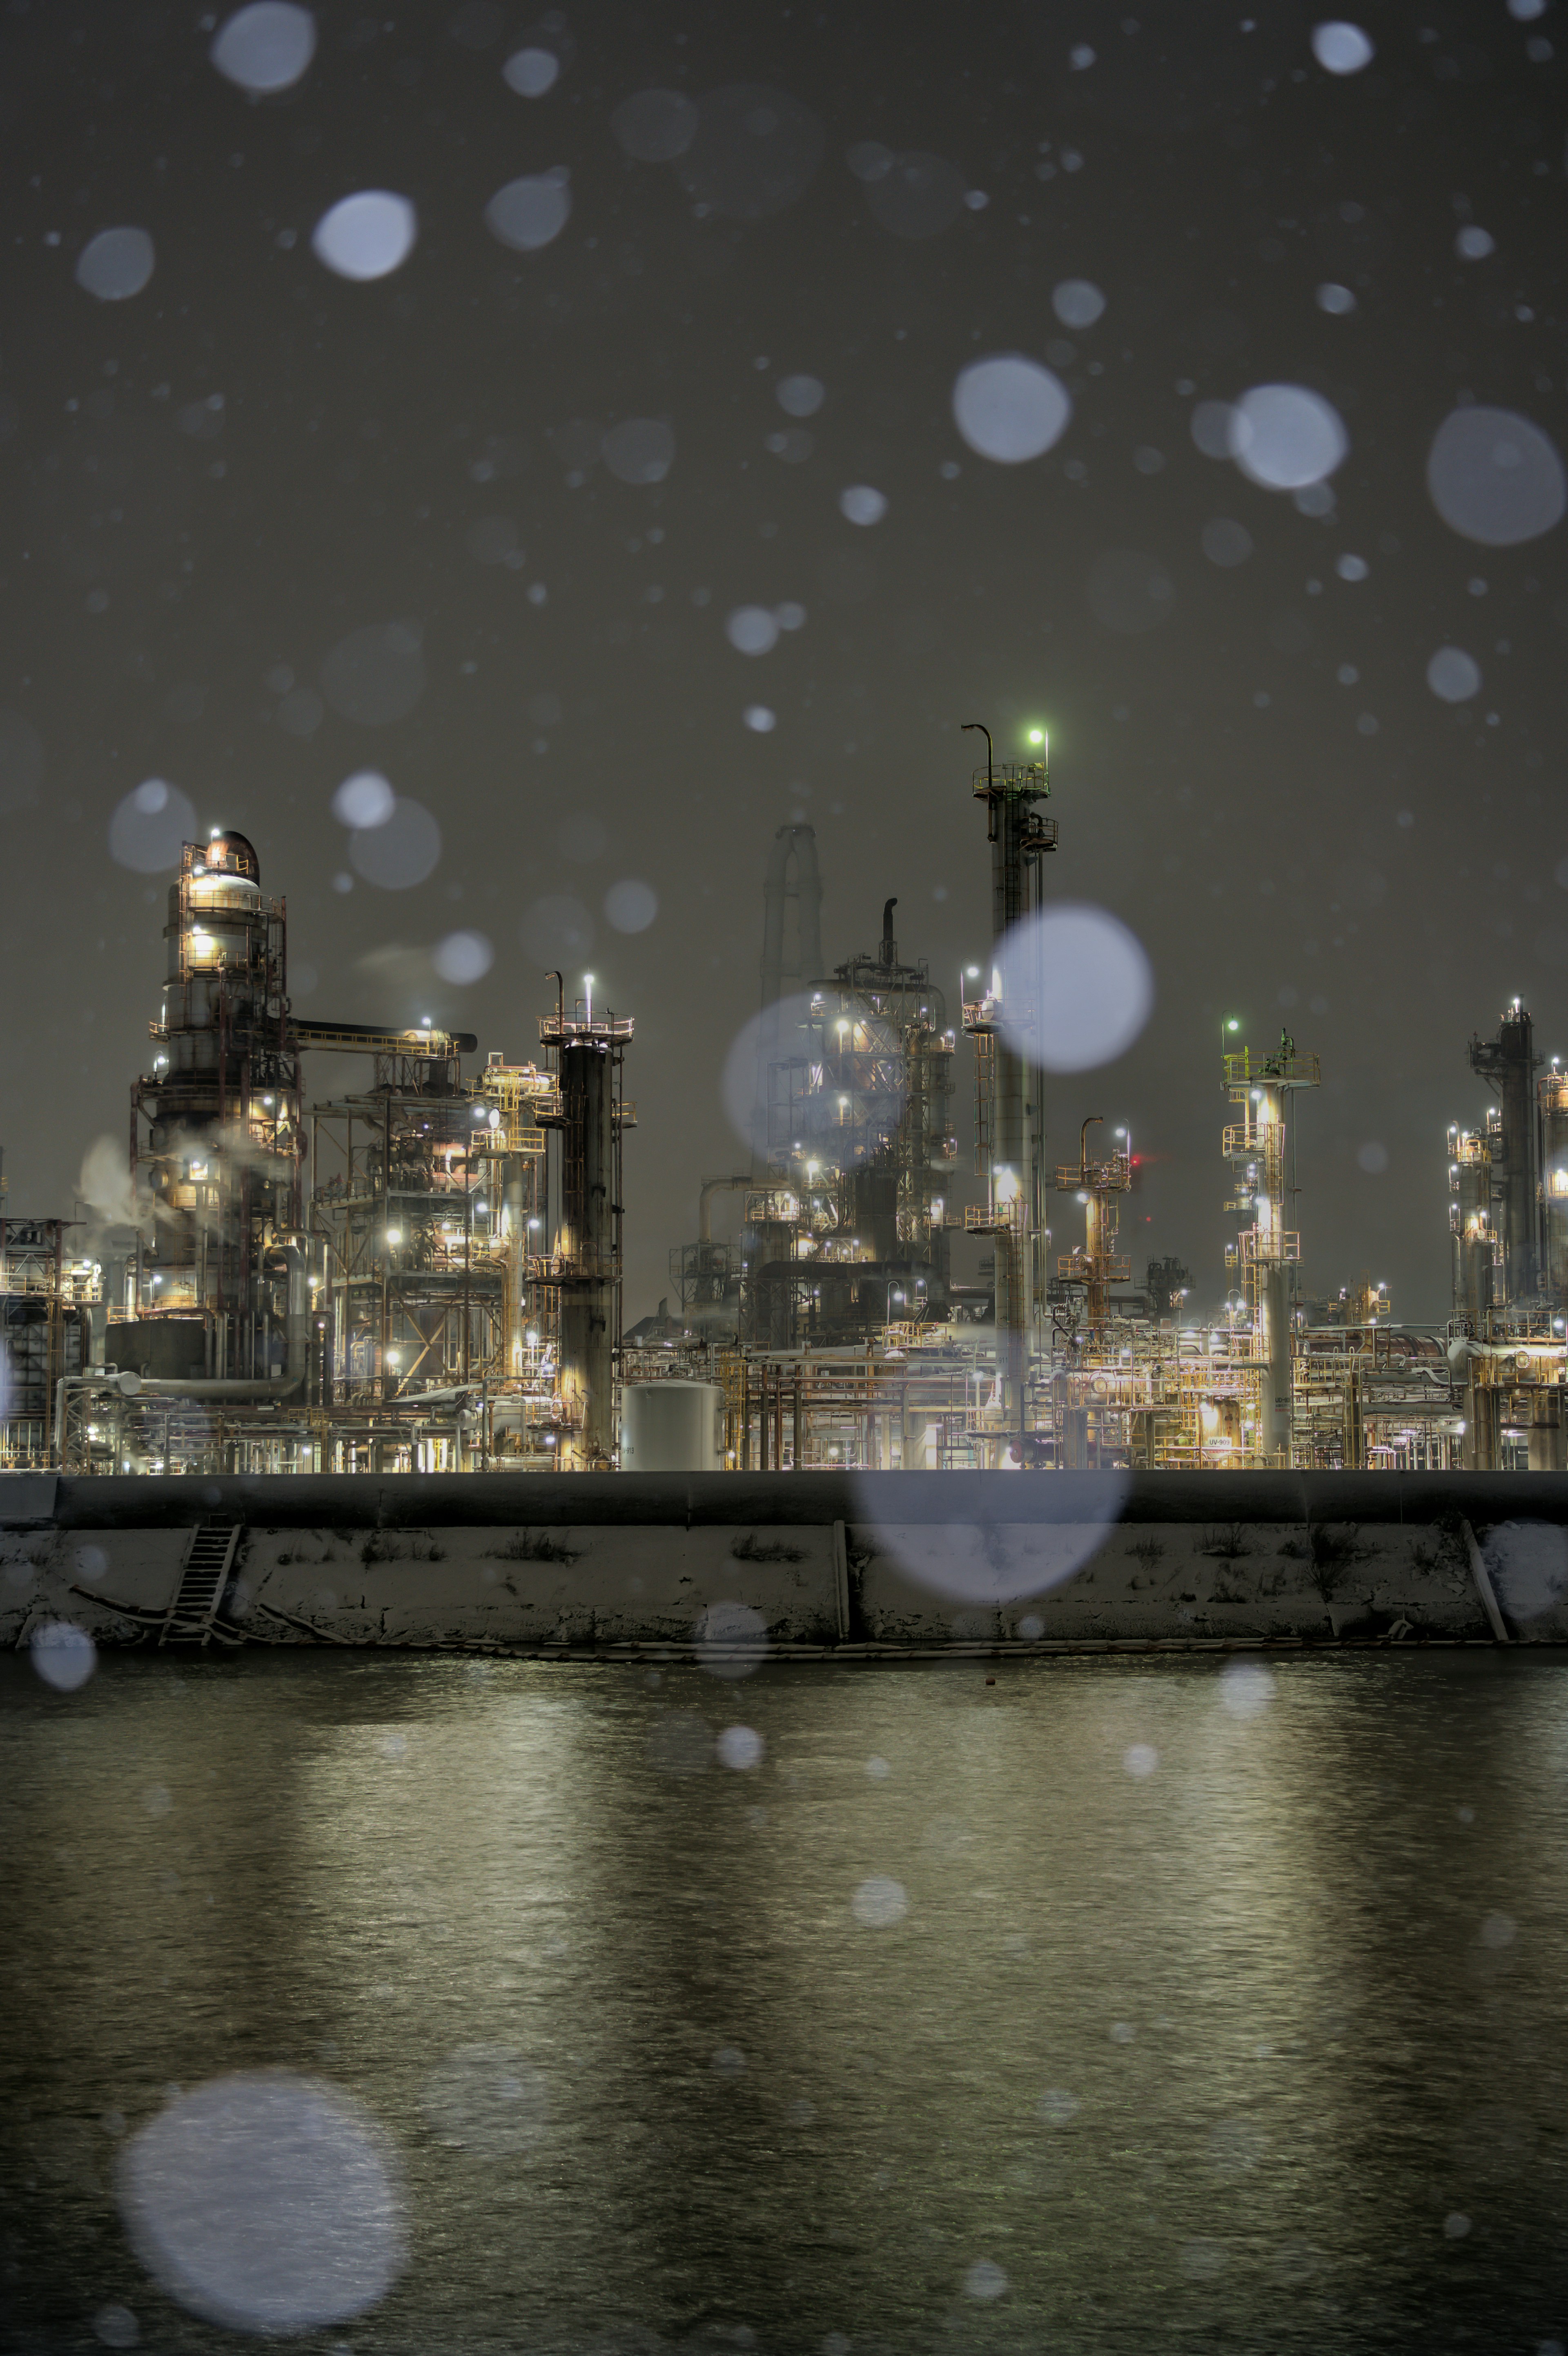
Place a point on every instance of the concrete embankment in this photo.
(806, 1564)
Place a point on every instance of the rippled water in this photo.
(1107, 2006)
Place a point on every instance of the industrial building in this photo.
(423, 1270)
(421, 1273)
(1507, 1182)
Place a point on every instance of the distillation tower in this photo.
(585, 1054)
(1095, 1264)
(1258, 1147)
(1552, 1090)
(1010, 1123)
(846, 1220)
(845, 1211)
(1508, 1219)
(1508, 1065)
(1474, 1243)
(216, 1138)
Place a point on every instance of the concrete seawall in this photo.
(805, 1564)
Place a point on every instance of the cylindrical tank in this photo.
(672, 1427)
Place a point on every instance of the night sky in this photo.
(481, 526)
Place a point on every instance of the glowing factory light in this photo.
(1036, 736)
(532, 1339)
(1231, 1023)
(971, 973)
(1007, 1185)
(394, 1235)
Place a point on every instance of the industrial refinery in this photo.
(423, 1271)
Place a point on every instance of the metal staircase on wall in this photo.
(208, 1561)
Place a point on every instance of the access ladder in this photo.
(208, 1561)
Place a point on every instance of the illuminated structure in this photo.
(1475, 1250)
(391, 1300)
(423, 1188)
(1095, 1264)
(436, 1283)
(1009, 1126)
(1258, 1148)
(46, 1324)
(847, 1223)
(217, 1139)
(586, 1054)
(1508, 1065)
(844, 1205)
(1551, 1097)
(1508, 1228)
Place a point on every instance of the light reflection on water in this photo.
(1225, 2053)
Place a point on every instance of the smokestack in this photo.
(890, 951)
(792, 922)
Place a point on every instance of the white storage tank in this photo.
(672, 1427)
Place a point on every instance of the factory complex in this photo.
(424, 1274)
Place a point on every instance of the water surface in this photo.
(1110, 2005)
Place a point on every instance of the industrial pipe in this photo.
(129, 1386)
(456, 1396)
(711, 1186)
(225, 1389)
(296, 1329)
